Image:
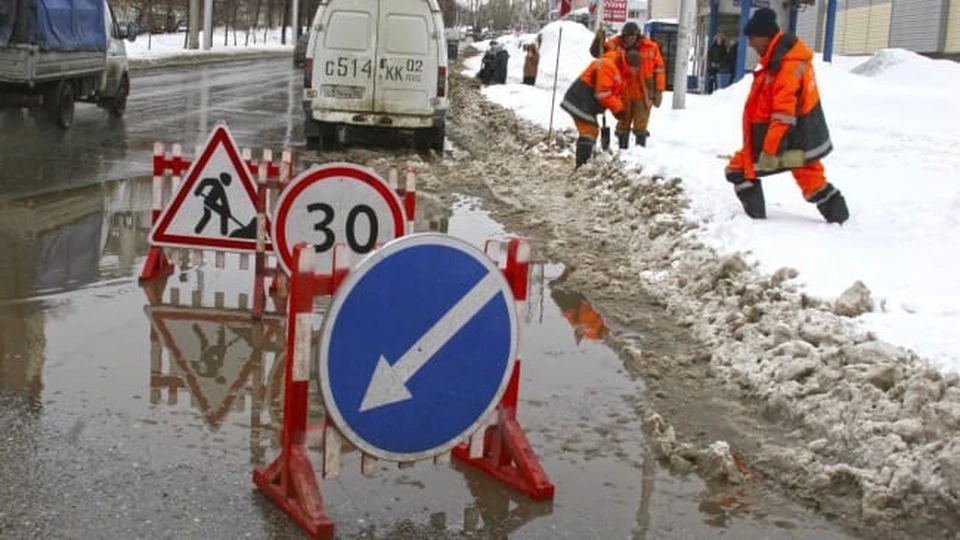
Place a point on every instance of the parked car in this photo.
(300, 51)
(393, 77)
(52, 56)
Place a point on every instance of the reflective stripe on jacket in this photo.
(783, 111)
(599, 87)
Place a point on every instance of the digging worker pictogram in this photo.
(784, 127)
(214, 194)
(644, 90)
(600, 87)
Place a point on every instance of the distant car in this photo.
(300, 51)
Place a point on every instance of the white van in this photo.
(376, 63)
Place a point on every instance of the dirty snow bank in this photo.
(876, 432)
(149, 49)
(893, 121)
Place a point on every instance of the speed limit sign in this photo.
(337, 203)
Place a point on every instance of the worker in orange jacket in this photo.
(600, 87)
(784, 127)
(643, 91)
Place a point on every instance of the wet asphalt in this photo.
(122, 419)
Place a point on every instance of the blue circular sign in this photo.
(417, 347)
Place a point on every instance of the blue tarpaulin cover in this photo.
(54, 25)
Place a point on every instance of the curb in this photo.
(203, 59)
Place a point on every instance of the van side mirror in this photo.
(129, 32)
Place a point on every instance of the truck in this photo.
(54, 53)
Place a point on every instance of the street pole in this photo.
(295, 19)
(599, 13)
(831, 25)
(684, 41)
(194, 24)
(207, 24)
(742, 40)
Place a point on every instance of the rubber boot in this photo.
(642, 138)
(750, 194)
(831, 204)
(584, 150)
(624, 140)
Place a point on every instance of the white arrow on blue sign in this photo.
(417, 347)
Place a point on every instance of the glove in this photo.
(792, 159)
(657, 99)
(767, 163)
(621, 114)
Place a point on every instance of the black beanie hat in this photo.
(763, 23)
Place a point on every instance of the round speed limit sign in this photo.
(337, 203)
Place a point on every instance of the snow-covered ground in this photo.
(893, 120)
(164, 46)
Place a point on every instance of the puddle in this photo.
(132, 418)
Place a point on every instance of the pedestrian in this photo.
(727, 66)
(715, 57)
(784, 127)
(644, 89)
(488, 65)
(600, 87)
(502, 62)
(531, 63)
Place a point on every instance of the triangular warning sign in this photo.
(214, 208)
(211, 352)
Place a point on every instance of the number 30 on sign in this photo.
(337, 203)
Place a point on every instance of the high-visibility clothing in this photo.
(783, 111)
(809, 177)
(637, 118)
(600, 87)
(652, 72)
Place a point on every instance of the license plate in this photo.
(342, 91)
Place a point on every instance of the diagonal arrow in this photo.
(389, 382)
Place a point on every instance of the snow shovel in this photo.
(605, 134)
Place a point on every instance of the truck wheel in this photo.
(430, 139)
(60, 104)
(117, 105)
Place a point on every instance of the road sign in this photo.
(417, 347)
(337, 203)
(214, 208)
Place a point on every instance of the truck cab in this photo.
(376, 63)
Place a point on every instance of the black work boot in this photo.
(624, 140)
(642, 138)
(584, 150)
(750, 194)
(831, 204)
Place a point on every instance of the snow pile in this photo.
(164, 46)
(893, 122)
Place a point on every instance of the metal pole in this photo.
(684, 41)
(599, 15)
(742, 40)
(714, 19)
(831, 25)
(794, 16)
(194, 24)
(295, 19)
(556, 72)
(207, 24)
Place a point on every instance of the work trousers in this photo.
(810, 177)
(637, 118)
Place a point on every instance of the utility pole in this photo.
(684, 41)
(194, 24)
(295, 19)
(207, 24)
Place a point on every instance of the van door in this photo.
(344, 56)
(407, 58)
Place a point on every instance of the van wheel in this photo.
(116, 106)
(430, 139)
(59, 102)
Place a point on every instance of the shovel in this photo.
(605, 134)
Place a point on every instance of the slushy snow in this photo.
(893, 121)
